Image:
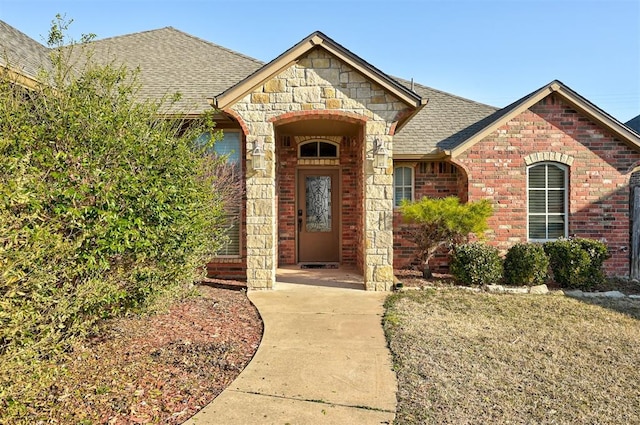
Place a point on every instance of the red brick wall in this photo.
(432, 179)
(286, 191)
(350, 163)
(598, 177)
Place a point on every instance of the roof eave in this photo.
(21, 79)
(433, 156)
(404, 120)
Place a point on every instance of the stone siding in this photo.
(318, 85)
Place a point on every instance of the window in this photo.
(402, 185)
(317, 149)
(231, 175)
(547, 201)
(229, 145)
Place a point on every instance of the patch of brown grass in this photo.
(488, 358)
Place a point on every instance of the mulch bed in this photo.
(163, 368)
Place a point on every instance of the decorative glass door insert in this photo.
(318, 203)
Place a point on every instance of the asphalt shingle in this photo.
(171, 61)
(445, 120)
(634, 124)
(22, 53)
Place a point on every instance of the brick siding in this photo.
(598, 177)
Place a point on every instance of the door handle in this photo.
(300, 224)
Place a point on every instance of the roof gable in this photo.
(479, 130)
(316, 40)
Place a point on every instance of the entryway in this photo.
(318, 216)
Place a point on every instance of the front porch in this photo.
(314, 120)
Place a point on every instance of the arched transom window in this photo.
(318, 149)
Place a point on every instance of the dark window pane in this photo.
(397, 177)
(406, 171)
(229, 145)
(556, 227)
(327, 150)
(537, 227)
(309, 150)
(556, 201)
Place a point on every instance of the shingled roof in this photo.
(634, 124)
(21, 53)
(172, 61)
(446, 118)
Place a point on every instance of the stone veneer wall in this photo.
(599, 172)
(322, 86)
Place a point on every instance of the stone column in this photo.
(261, 210)
(378, 210)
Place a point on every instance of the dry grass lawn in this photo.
(488, 358)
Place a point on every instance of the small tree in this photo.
(443, 222)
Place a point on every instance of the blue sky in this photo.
(489, 51)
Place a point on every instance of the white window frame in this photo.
(404, 185)
(546, 189)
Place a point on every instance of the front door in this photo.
(318, 216)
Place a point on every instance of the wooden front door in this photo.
(318, 216)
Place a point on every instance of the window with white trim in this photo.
(231, 174)
(547, 216)
(402, 184)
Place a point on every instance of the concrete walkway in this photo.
(323, 358)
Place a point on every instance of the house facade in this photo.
(329, 146)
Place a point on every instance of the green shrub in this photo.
(526, 264)
(577, 262)
(104, 206)
(476, 264)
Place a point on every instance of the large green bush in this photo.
(526, 264)
(476, 264)
(103, 206)
(577, 262)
